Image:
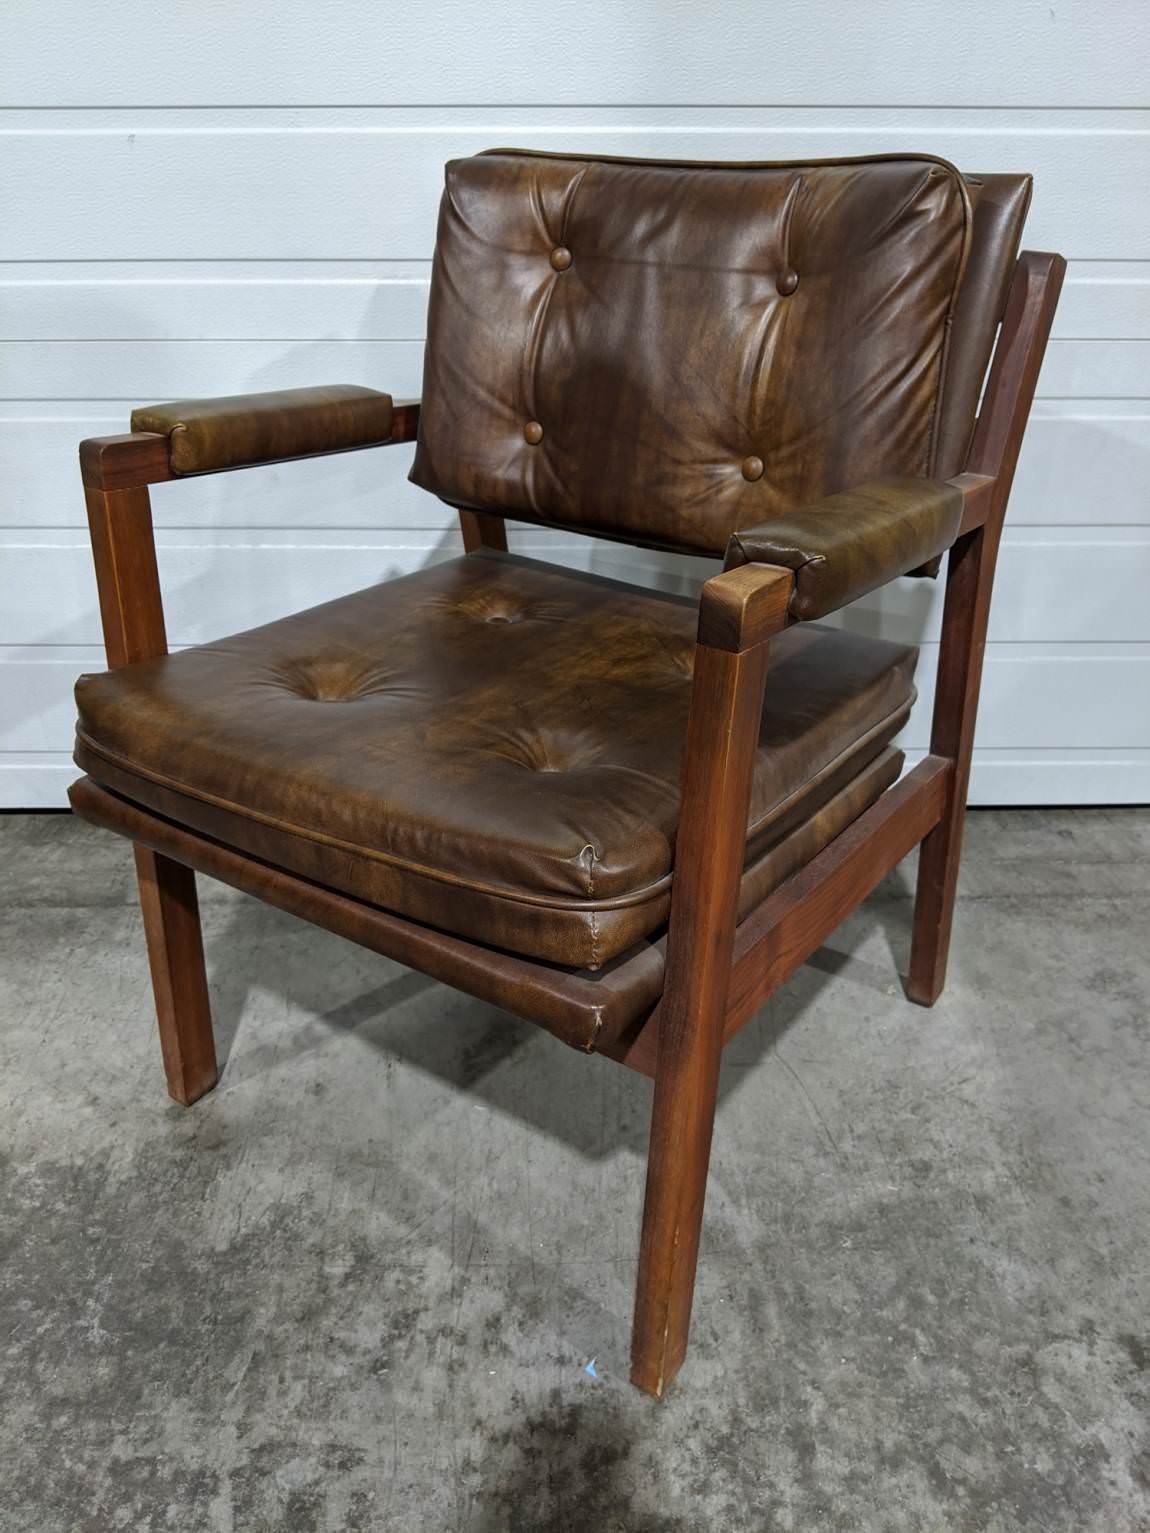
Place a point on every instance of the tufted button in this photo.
(752, 469)
(561, 258)
(533, 433)
(786, 283)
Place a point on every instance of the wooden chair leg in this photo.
(998, 435)
(937, 887)
(179, 979)
(970, 573)
(680, 1151)
(726, 707)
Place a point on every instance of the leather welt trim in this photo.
(514, 895)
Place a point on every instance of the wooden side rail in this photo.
(781, 934)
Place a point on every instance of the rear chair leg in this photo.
(176, 956)
(969, 575)
(1006, 403)
(938, 862)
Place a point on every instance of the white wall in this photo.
(207, 198)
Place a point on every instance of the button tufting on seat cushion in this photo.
(514, 782)
(340, 679)
(752, 469)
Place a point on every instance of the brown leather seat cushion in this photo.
(491, 746)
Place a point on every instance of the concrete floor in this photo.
(357, 1286)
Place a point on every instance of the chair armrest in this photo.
(845, 545)
(209, 434)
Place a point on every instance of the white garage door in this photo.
(208, 203)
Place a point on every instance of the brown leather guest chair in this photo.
(622, 815)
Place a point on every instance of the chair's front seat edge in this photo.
(489, 746)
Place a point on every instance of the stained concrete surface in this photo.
(358, 1286)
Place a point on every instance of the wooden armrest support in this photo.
(743, 607)
(117, 471)
(977, 492)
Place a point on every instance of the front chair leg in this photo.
(722, 731)
(680, 1151)
(179, 979)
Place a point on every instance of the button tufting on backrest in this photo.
(752, 468)
(680, 326)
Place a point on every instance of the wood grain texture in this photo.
(124, 553)
(743, 607)
(798, 916)
(179, 979)
(969, 581)
(125, 461)
(131, 609)
(482, 530)
(722, 732)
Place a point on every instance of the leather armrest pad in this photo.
(848, 544)
(207, 434)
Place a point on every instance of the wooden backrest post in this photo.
(993, 453)
(482, 529)
(969, 582)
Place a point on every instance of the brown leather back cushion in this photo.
(669, 352)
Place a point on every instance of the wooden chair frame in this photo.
(718, 971)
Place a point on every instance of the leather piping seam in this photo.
(547, 902)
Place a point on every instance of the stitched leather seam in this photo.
(948, 325)
(547, 902)
(797, 596)
(589, 1046)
